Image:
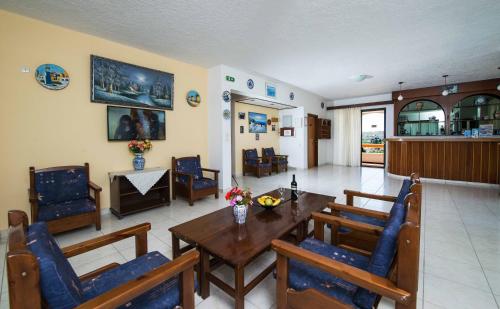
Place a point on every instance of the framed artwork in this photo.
(257, 136)
(120, 83)
(270, 90)
(242, 129)
(193, 98)
(52, 76)
(241, 115)
(273, 127)
(257, 123)
(125, 124)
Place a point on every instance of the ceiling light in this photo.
(445, 91)
(400, 97)
(360, 77)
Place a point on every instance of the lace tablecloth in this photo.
(142, 180)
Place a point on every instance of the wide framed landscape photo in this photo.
(118, 83)
(125, 124)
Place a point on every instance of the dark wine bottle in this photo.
(295, 193)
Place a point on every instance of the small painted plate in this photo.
(52, 76)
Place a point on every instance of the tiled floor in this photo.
(460, 242)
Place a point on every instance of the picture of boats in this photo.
(257, 123)
(52, 76)
(126, 84)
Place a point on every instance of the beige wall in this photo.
(43, 128)
(247, 140)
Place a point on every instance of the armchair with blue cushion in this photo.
(40, 275)
(61, 197)
(252, 163)
(315, 274)
(362, 242)
(279, 162)
(189, 181)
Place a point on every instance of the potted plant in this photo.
(138, 148)
(240, 200)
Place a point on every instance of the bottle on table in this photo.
(295, 193)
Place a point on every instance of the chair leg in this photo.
(217, 194)
(98, 221)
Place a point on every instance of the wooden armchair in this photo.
(252, 163)
(363, 242)
(279, 162)
(318, 275)
(189, 181)
(40, 275)
(61, 196)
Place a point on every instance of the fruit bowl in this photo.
(268, 202)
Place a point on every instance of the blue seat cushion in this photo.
(65, 209)
(60, 286)
(204, 183)
(62, 185)
(191, 166)
(166, 295)
(279, 160)
(302, 276)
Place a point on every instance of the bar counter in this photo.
(446, 157)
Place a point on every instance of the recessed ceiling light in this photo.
(360, 77)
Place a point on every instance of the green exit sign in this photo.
(230, 78)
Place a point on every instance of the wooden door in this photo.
(312, 141)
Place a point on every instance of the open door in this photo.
(372, 137)
(312, 141)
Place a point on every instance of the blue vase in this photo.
(138, 162)
(240, 213)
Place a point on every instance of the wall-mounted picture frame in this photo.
(119, 83)
(270, 90)
(52, 76)
(273, 127)
(257, 136)
(257, 123)
(241, 115)
(125, 124)
(242, 129)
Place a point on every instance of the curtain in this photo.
(347, 136)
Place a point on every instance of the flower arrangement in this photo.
(237, 196)
(139, 146)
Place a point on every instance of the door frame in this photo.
(316, 159)
(385, 130)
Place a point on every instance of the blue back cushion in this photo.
(61, 185)
(190, 165)
(383, 255)
(268, 152)
(252, 154)
(59, 283)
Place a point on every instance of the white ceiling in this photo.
(315, 45)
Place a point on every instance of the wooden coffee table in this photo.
(217, 235)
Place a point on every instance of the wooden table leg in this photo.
(176, 246)
(301, 231)
(239, 287)
(204, 269)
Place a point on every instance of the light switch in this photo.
(25, 70)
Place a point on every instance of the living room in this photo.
(250, 155)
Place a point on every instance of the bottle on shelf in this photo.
(295, 193)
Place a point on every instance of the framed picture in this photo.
(257, 123)
(257, 136)
(273, 127)
(125, 124)
(270, 90)
(120, 83)
(242, 129)
(241, 115)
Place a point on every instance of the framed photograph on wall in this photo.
(270, 90)
(125, 124)
(119, 83)
(241, 115)
(257, 123)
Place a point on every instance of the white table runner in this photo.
(142, 180)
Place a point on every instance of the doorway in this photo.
(312, 141)
(373, 137)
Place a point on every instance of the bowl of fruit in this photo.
(268, 202)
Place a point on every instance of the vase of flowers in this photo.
(240, 200)
(138, 148)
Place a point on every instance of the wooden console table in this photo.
(127, 199)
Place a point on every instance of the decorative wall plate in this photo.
(268, 122)
(226, 114)
(193, 98)
(226, 96)
(52, 76)
(323, 105)
(292, 96)
(250, 83)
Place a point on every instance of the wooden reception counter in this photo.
(446, 157)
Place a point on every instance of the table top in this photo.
(238, 244)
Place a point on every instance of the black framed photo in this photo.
(118, 83)
(241, 115)
(242, 129)
(125, 124)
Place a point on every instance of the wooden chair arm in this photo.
(359, 211)
(134, 288)
(139, 231)
(387, 198)
(358, 226)
(210, 170)
(362, 278)
(94, 187)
